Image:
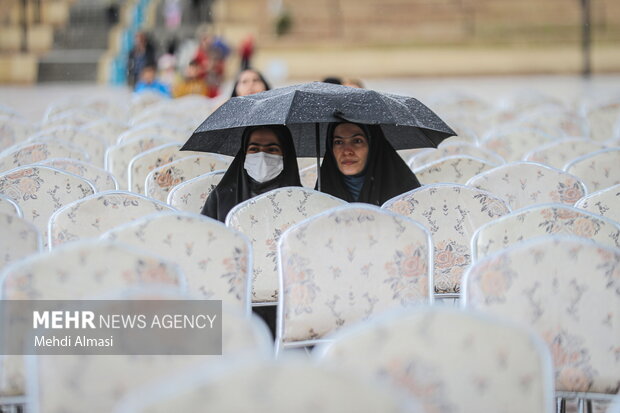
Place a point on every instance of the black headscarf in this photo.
(260, 75)
(237, 186)
(385, 175)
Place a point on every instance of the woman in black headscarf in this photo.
(249, 82)
(360, 165)
(266, 160)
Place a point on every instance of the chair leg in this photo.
(589, 406)
(560, 406)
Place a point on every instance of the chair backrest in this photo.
(558, 153)
(453, 149)
(449, 360)
(13, 130)
(452, 213)
(41, 190)
(92, 216)
(117, 157)
(144, 162)
(77, 117)
(93, 145)
(215, 259)
(33, 152)
(153, 129)
(161, 180)
(8, 206)
(539, 220)
(100, 178)
(523, 184)
(598, 170)
(453, 169)
(605, 202)
(513, 144)
(566, 289)
(281, 386)
(263, 219)
(18, 239)
(555, 122)
(107, 129)
(602, 119)
(192, 194)
(308, 176)
(346, 265)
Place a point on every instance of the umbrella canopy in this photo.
(406, 122)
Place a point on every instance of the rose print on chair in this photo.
(571, 360)
(567, 192)
(451, 259)
(299, 287)
(494, 279)
(408, 270)
(236, 265)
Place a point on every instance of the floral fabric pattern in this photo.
(512, 145)
(100, 178)
(263, 219)
(605, 202)
(29, 153)
(94, 146)
(492, 367)
(523, 184)
(453, 149)
(107, 129)
(453, 169)
(161, 180)
(558, 153)
(90, 217)
(12, 131)
(18, 239)
(144, 163)
(213, 258)
(550, 219)
(599, 170)
(192, 194)
(40, 191)
(347, 265)
(452, 213)
(568, 290)
(10, 207)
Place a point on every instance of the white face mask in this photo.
(263, 167)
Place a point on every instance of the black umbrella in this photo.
(405, 121)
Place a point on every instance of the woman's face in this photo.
(249, 83)
(350, 147)
(264, 140)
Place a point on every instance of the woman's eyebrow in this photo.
(352, 136)
(264, 145)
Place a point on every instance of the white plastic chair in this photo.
(523, 184)
(597, 170)
(540, 220)
(453, 149)
(605, 202)
(18, 239)
(513, 143)
(41, 190)
(13, 130)
(451, 213)
(566, 289)
(192, 194)
(92, 216)
(602, 119)
(308, 176)
(451, 169)
(558, 153)
(107, 129)
(450, 360)
(93, 145)
(153, 129)
(144, 162)
(216, 260)
(348, 264)
(263, 219)
(100, 178)
(33, 152)
(161, 180)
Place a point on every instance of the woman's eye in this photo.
(358, 140)
(337, 142)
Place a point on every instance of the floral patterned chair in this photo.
(598, 170)
(153, 129)
(602, 119)
(93, 145)
(540, 220)
(558, 153)
(75, 117)
(192, 194)
(513, 143)
(8, 206)
(144, 162)
(346, 265)
(555, 121)
(107, 129)
(567, 290)
(215, 259)
(161, 180)
(142, 101)
(308, 176)
(605, 202)
(13, 130)
(523, 184)
(92, 216)
(118, 157)
(19, 239)
(454, 169)
(282, 386)
(100, 178)
(32, 152)
(477, 364)
(107, 379)
(41, 190)
(453, 149)
(451, 213)
(263, 219)
(75, 272)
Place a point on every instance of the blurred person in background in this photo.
(211, 55)
(148, 82)
(249, 82)
(352, 82)
(246, 51)
(142, 54)
(191, 83)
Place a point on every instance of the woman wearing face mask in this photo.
(265, 161)
(360, 165)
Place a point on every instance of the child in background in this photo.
(192, 83)
(148, 81)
